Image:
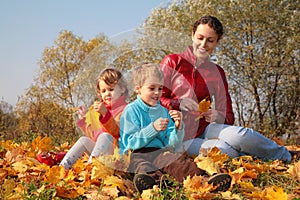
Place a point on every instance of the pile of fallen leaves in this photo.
(23, 177)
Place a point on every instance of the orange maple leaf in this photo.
(203, 106)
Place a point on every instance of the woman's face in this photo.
(109, 93)
(205, 40)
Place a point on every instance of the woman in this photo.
(191, 77)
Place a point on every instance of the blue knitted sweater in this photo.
(137, 130)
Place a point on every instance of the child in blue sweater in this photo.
(151, 133)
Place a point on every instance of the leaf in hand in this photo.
(203, 106)
(92, 119)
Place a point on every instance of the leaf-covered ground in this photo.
(23, 177)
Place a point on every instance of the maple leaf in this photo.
(92, 119)
(217, 156)
(203, 106)
(257, 167)
(42, 144)
(151, 193)
(197, 187)
(229, 195)
(99, 170)
(270, 193)
(55, 174)
(20, 167)
(207, 164)
(114, 181)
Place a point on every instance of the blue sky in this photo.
(28, 26)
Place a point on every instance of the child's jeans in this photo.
(103, 145)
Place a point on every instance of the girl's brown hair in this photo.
(111, 77)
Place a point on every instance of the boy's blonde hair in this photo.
(111, 77)
(146, 70)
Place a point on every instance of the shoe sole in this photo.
(143, 182)
(222, 181)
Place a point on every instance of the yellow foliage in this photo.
(55, 174)
(20, 166)
(100, 171)
(42, 144)
(270, 193)
(84, 179)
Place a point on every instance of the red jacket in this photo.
(182, 79)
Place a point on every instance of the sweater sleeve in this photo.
(175, 135)
(111, 124)
(131, 134)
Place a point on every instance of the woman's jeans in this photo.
(236, 141)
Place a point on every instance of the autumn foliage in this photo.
(23, 177)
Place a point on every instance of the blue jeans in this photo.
(236, 141)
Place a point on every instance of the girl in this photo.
(112, 91)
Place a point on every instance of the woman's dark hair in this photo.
(212, 22)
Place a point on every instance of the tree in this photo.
(8, 121)
(48, 106)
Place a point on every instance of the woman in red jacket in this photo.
(191, 77)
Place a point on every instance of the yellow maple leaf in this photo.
(100, 171)
(275, 193)
(55, 174)
(270, 193)
(229, 195)
(42, 144)
(207, 164)
(114, 181)
(92, 119)
(217, 156)
(20, 166)
(151, 193)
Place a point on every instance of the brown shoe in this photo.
(143, 182)
(295, 155)
(222, 181)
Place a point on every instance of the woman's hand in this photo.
(188, 104)
(212, 116)
(161, 124)
(100, 108)
(177, 117)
